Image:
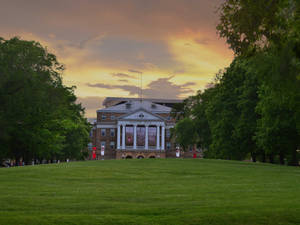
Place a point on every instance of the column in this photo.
(123, 136)
(118, 137)
(134, 136)
(162, 138)
(157, 137)
(146, 138)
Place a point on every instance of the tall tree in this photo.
(185, 133)
(278, 131)
(34, 102)
(231, 113)
(200, 118)
(268, 35)
(250, 26)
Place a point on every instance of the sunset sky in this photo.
(106, 45)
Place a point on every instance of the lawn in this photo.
(150, 191)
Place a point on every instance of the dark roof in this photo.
(111, 101)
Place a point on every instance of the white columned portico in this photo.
(118, 137)
(146, 137)
(157, 137)
(134, 136)
(160, 134)
(163, 138)
(123, 136)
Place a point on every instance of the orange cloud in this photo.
(114, 42)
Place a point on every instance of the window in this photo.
(103, 132)
(128, 105)
(112, 145)
(112, 117)
(169, 118)
(129, 135)
(103, 116)
(112, 132)
(168, 145)
(103, 143)
(168, 133)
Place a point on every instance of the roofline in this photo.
(140, 109)
(119, 111)
(158, 100)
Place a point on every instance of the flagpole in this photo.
(141, 87)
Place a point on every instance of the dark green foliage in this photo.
(184, 109)
(253, 109)
(38, 113)
(200, 119)
(245, 126)
(185, 132)
(231, 113)
(278, 129)
(250, 26)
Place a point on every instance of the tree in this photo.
(250, 26)
(276, 132)
(185, 133)
(184, 109)
(229, 111)
(200, 118)
(267, 34)
(246, 123)
(278, 129)
(34, 102)
(224, 115)
(253, 108)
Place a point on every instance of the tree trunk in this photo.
(26, 159)
(271, 158)
(294, 159)
(281, 158)
(263, 157)
(253, 156)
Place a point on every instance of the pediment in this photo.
(141, 115)
(137, 105)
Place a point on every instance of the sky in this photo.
(108, 45)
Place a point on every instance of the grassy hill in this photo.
(150, 191)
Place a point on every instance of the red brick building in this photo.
(134, 128)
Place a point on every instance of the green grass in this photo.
(150, 191)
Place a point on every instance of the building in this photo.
(134, 128)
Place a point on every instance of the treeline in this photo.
(39, 119)
(252, 109)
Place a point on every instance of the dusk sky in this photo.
(106, 45)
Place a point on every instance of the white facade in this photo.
(159, 139)
(138, 115)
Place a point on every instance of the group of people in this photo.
(12, 163)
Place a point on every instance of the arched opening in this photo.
(152, 157)
(140, 157)
(128, 157)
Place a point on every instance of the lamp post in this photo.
(102, 151)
